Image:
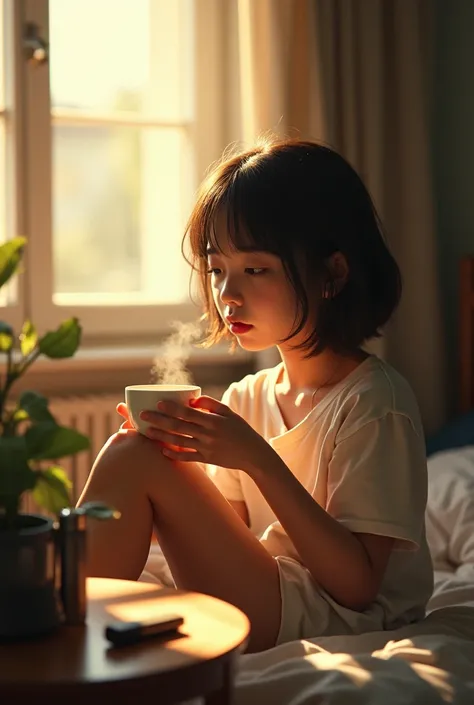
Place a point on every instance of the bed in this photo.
(431, 662)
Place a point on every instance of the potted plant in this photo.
(31, 441)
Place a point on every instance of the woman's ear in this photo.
(338, 275)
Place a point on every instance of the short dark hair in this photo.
(302, 202)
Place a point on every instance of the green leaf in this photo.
(10, 257)
(16, 476)
(28, 338)
(11, 425)
(20, 415)
(36, 407)
(62, 342)
(6, 337)
(52, 488)
(38, 437)
(48, 441)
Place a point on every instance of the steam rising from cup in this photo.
(170, 364)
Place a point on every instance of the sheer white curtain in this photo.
(355, 74)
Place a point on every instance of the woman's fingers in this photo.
(183, 455)
(121, 409)
(210, 404)
(185, 442)
(195, 417)
(172, 424)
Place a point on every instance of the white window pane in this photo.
(114, 55)
(120, 198)
(2, 55)
(8, 294)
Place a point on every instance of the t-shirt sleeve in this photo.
(226, 480)
(377, 480)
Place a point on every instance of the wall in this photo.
(453, 153)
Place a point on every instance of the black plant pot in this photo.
(28, 605)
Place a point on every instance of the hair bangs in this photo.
(238, 219)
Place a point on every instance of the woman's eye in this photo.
(255, 270)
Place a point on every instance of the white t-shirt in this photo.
(361, 454)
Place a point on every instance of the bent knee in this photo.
(131, 449)
(128, 442)
(124, 457)
(122, 437)
(128, 452)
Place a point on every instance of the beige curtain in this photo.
(279, 75)
(355, 74)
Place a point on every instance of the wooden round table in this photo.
(78, 665)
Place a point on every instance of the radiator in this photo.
(94, 416)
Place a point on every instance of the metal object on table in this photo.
(72, 547)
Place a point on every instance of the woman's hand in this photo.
(206, 431)
(127, 424)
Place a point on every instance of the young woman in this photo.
(300, 497)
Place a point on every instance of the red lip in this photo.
(239, 328)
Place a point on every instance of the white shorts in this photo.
(156, 569)
(308, 611)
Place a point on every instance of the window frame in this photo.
(13, 116)
(101, 324)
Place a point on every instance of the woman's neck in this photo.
(327, 369)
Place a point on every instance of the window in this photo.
(108, 138)
(12, 299)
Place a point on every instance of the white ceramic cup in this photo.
(141, 397)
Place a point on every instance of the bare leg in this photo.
(208, 547)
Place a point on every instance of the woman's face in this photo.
(251, 288)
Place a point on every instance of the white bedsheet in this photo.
(430, 663)
(427, 663)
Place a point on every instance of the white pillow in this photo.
(450, 509)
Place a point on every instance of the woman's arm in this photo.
(241, 508)
(349, 566)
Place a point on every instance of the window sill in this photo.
(106, 370)
(106, 357)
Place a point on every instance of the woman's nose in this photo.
(231, 294)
